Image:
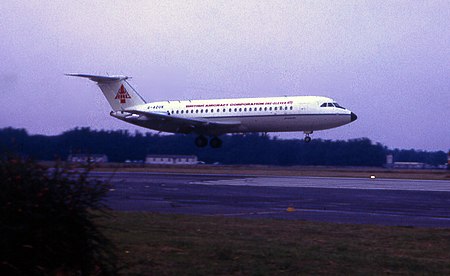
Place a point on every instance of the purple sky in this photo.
(387, 62)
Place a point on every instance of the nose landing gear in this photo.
(307, 138)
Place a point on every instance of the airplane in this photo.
(220, 116)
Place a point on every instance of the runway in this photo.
(424, 203)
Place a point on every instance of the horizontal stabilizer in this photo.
(119, 93)
(99, 78)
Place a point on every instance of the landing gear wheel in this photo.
(201, 141)
(307, 138)
(215, 142)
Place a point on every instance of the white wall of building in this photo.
(171, 159)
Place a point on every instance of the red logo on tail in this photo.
(122, 95)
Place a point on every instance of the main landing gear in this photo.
(201, 142)
(307, 139)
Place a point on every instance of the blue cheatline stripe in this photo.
(259, 116)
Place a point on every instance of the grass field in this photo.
(157, 244)
(315, 171)
(262, 170)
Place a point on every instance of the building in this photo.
(389, 161)
(409, 165)
(448, 160)
(171, 159)
(390, 164)
(87, 158)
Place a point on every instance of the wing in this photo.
(177, 124)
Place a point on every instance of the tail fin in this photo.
(116, 89)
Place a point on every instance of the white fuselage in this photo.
(220, 116)
(271, 114)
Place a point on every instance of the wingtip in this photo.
(74, 75)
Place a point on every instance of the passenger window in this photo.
(265, 108)
(218, 110)
(177, 111)
(201, 110)
(245, 109)
(235, 109)
(182, 111)
(260, 109)
(270, 108)
(206, 110)
(275, 108)
(212, 110)
(291, 107)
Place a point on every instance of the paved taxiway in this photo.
(344, 200)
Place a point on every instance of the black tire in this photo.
(307, 139)
(201, 141)
(215, 143)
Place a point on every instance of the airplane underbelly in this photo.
(267, 123)
(306, 122)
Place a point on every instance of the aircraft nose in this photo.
(353, 117)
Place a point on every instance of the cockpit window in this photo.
(332, 105)
(338, 106)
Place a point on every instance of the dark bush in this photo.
(47, 221)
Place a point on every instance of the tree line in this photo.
(254, 148)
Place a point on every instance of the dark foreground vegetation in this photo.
(47, 222)
(157, 244)
(237, 149)
(55, 223)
